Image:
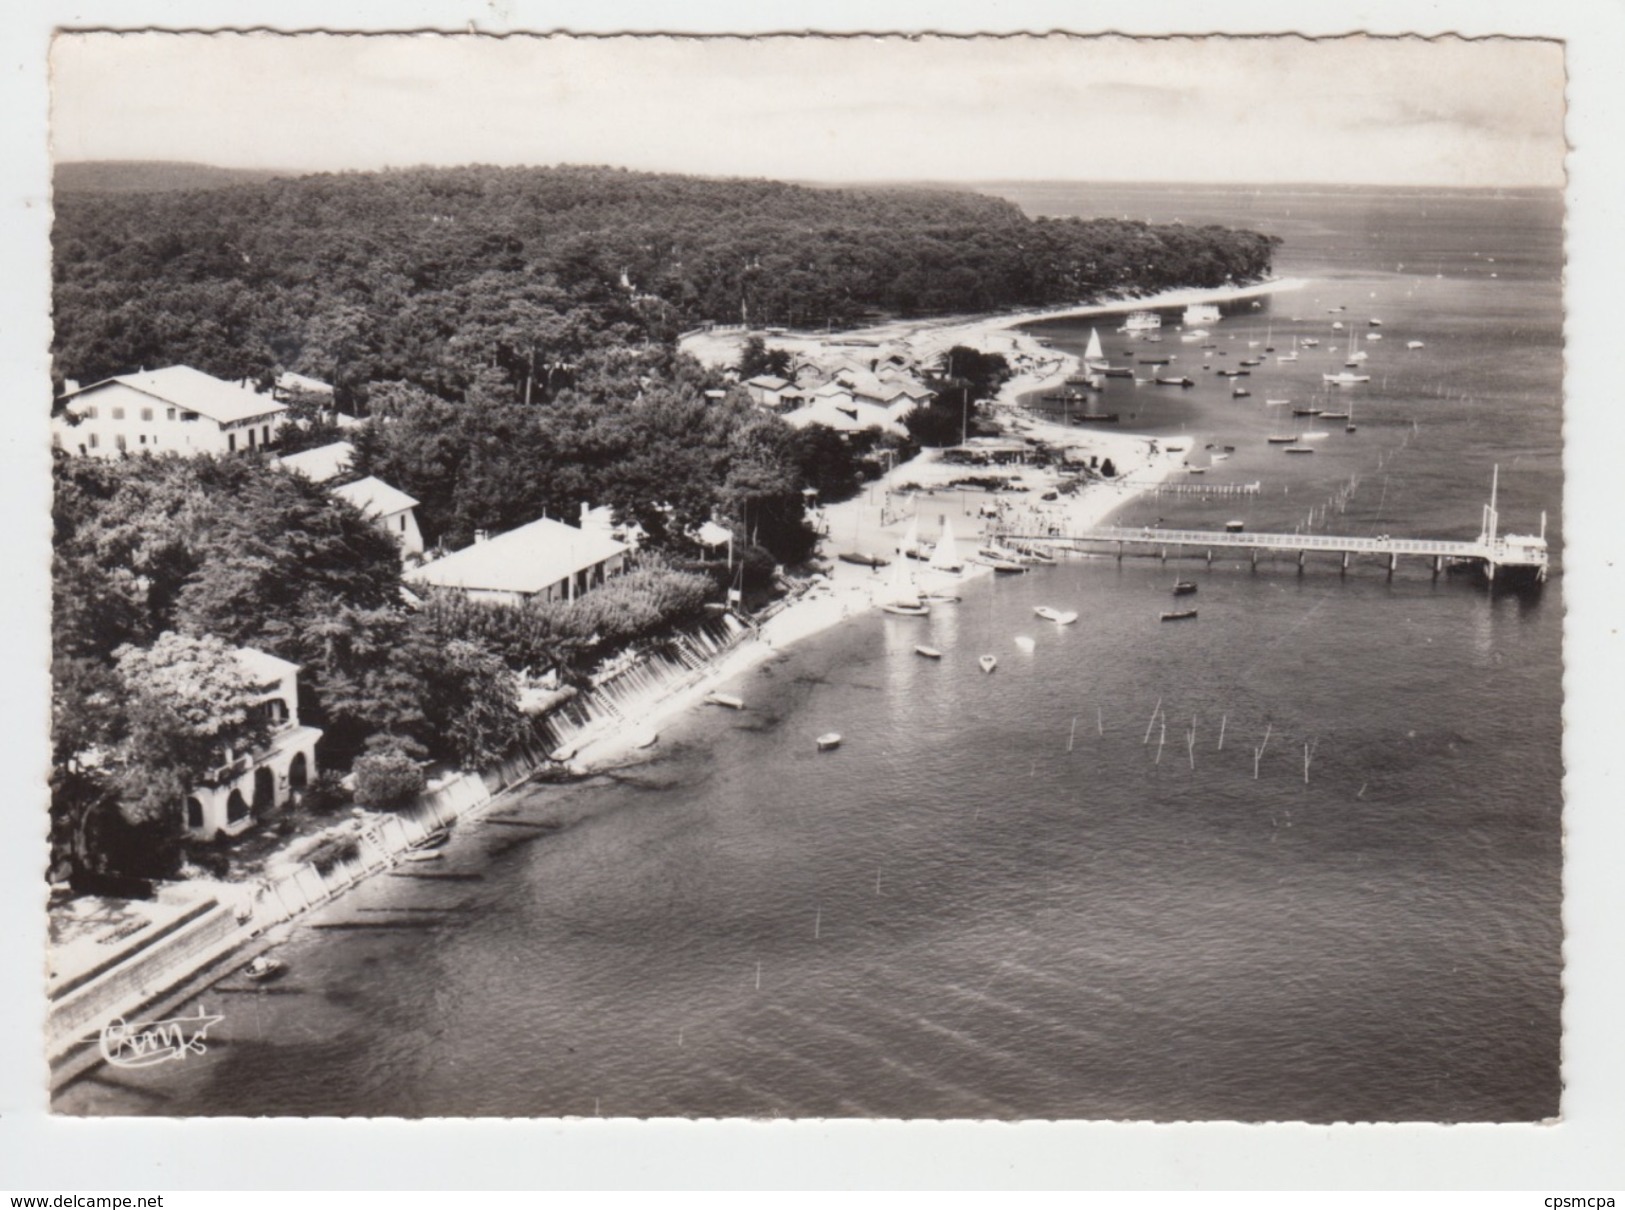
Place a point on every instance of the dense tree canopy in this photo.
(430, 276)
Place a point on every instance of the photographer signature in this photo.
(149, 1042)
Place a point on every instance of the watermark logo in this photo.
(148, 1042)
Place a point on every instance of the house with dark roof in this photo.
(177, 409)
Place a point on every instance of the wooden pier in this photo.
(1156, 542)
(1522, 555)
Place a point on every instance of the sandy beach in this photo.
(876, 521)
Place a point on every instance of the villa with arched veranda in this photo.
(250, 785)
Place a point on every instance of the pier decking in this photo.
(1491, 553)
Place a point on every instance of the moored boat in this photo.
(1183, 588)
(930, 653)
(828, 741)
(730, 700)
(1282, 438)
(1171, 381)
(1178, 615)
(1062, 617)
(1025, 643)
(263, 968)
(1300, 449)
(861, 559)
(988, 663)
(1141, 321)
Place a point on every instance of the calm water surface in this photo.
(1021, 895)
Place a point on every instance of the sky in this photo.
(1351, 110)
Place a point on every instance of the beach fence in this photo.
(156, 966)
(625, 692)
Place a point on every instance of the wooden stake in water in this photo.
(1161, 740)
(1190, 742)
(1152, 723)
(1258, 752)
(1100, 723)
(1074, 733)
(1223, 718)
(818, 922)
(758, 976)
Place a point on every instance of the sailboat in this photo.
(1292, 356)
(910, 546)
(1094, 357)
(902, 597)
(945, 556)
(1356, 354)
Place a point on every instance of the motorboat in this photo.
(1282, 438)
(1414, 344)
(1345, 379)
(1300, 449)
(1183, 588)
(828, 741)
(861, 559)
(988, 663)
(417, 855)
(731, 701)
(1171, 381)
(1061, 617)
(263, 968)
(1178, 615)
(930, 653)
(1025, 643)
(1240, 393)
(1306, 411)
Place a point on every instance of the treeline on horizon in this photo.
(430, 275)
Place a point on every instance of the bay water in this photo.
(1297, 859)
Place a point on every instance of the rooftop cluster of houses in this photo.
(847, 397)
(183, 410)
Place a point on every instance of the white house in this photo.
(288, 384)
(387, 507)
(321, 464)
(176, 409)
(838, 409)
(252, 783)
(546, 560)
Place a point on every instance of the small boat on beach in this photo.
(263, 968)
(1183, 588)
(988, 663)
(828, 741)
(1178, 615)
(416, 855)
(930, 653)
(731, 701)
(646, 739)
(861, 559)
(432, 840)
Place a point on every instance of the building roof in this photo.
(767, 382)
(289, 381)
(263, 666)
(523, 560)
(374, 497)
(195, 391)
(322, 463)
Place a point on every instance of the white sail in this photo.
(901, 590)
(1094, 352)
(946, 555)
(911, 538)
